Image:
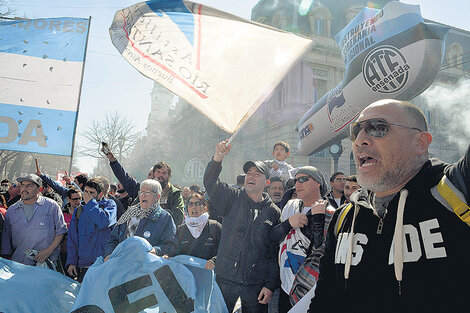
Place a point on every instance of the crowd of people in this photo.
(279, 234)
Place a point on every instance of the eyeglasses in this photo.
(145, 193)
(374, 127)
(75, 199)
(198, 203)
(301, 179)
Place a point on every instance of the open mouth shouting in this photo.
(366, 161)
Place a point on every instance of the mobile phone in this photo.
(104, 147)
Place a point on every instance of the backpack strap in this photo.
(340, 220)
(79, 212)
(454, 200)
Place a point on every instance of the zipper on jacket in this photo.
(380, 226)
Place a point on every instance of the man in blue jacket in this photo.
(89, 229)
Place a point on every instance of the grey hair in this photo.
(154, 186)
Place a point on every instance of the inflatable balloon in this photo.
(388, 53)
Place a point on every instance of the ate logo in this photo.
(385, 69)
(427, 235)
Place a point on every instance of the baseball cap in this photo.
(32, 178)
(317, 175)
(259, 165)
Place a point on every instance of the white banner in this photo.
(221, 64)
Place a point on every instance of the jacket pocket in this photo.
(227, 266)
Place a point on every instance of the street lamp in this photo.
(336, 150)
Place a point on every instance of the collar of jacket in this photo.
(39, 201)
(155, 215)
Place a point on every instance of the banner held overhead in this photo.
(223, 65)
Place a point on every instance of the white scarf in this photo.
(196, 224)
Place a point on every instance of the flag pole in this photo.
(79, 96)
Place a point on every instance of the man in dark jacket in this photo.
(171, 199)
(246, 261)
(400, 245)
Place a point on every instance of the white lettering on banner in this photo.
(12, 129)
(343, 244)
(27, 136)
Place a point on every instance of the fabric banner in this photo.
(133, 280)
(41, 65)
(221, 64)
(34, 289)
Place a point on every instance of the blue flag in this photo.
(33, 289)
(133, 280)
(41, 65)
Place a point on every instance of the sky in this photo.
(111, 84)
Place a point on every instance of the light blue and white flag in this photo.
(34, 289)
(133, 280)
(41, 65)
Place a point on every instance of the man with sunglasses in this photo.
(400, 245)
(303, 242)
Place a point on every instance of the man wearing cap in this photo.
(303, 244)
(246, 259)
(35, 222)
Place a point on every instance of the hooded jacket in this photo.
(369, 271)
(89, 233)
(247, 249)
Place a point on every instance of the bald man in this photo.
(400, 245)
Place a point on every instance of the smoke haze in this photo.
(452, 104)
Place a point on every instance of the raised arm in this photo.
(129, 183)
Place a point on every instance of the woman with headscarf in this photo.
(147, 220)
(199, 236)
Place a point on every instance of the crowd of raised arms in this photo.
(278, 234)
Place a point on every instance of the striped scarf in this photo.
(137, 212)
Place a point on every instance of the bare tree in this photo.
(118, 132)
(5, 10)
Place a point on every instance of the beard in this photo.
(389, 179)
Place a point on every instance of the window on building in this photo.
(320, 22)
(320, 27)
(455, 56)
(320, 89)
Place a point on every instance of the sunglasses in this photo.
(374, 127)
(75, 199)
(199, 203)
(301, 179)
